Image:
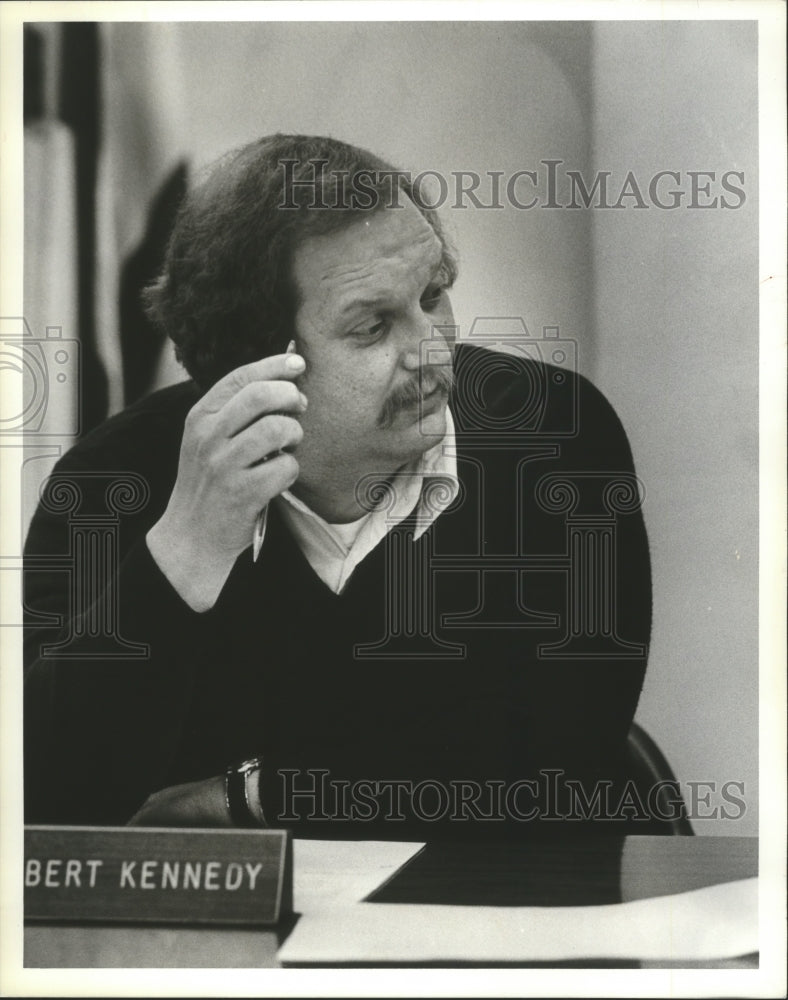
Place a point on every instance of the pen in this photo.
(262, 518)
(259, 532)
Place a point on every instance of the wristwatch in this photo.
(237, 793)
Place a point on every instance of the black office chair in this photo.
(647, 766)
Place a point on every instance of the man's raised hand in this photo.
(234, 459)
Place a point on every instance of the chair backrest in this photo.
(657, 784)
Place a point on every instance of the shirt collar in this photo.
(431, 481)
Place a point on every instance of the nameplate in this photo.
(132, 874)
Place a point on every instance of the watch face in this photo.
(250, 765)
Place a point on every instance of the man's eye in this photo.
(431, 298)
(372, 332)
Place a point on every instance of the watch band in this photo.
(236, 792)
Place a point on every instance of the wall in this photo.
(676, 307)
(444, 97)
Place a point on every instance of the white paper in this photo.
(338, 872)
(719, 921)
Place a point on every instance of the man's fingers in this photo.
(274, 477)
(278, 366)
(256, 400)
(264, 438)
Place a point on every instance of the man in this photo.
(423, 639)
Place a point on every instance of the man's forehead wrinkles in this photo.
(344, 271)
(410, 255)
(369, 263)
(401, 263)
(430, 242)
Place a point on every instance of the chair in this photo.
(648, 767)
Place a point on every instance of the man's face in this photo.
(371, 295)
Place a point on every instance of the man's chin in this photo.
(421, 432)
(432, 426)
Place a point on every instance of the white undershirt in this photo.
(335, 550)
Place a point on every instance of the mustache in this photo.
(412, 393)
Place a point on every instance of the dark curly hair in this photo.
(225, 296)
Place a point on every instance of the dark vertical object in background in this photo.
(80, 109)
(141, 342)
(33, 85)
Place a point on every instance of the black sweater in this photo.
(482, 652)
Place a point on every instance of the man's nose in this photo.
(426, 345)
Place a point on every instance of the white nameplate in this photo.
(157, 875)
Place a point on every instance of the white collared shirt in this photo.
(334, 550)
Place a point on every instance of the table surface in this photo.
(589, 872)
